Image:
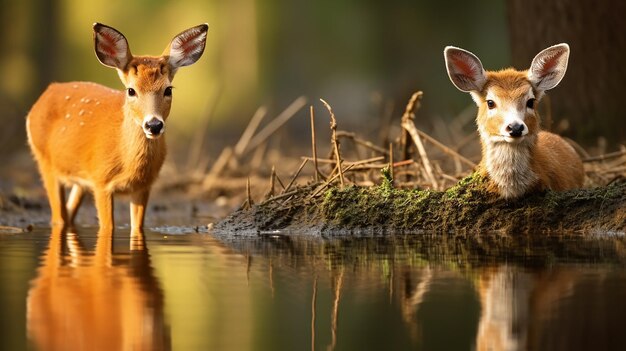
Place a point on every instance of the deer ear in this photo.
(549, 66)
(111, 46)
(464, 69)
(187, 47)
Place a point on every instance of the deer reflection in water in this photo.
(557, 308)
(84, 300)
(553, 309)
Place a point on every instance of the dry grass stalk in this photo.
(313, 145)
(605, 157)
(328, 182)
(280, 182)
(270, 193)
(217, 168)
(335, 312)
(276, 123)
(409, 115)
(579, 149)
(313, 311)
(197, 142)
(257, 157)
(368, 160)
(295, 176)
(446, 149)
(391, 163)
(247, 134)
(248, 203)
(334, 140)
(403, 163)
(329, 161)
(288, 194)
(409, 126)
(362, 142)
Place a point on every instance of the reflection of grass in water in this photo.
(455, 252)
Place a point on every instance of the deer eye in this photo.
(168, 91)
(131, 92)
(491, 104)
(530, 103)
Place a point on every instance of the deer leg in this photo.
(56, 197)
(73, 202)
(138, 202)
(104, 206)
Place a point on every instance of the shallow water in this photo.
(186, 291)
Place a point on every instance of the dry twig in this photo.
(409, 115)
(409, 126)
(217, 168)
(446, 149)
(333, 129)
(365, 143)
(295, 176)
(256, 119)
(313, 145)
(276, 123)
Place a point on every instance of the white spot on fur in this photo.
(82, 123)
(81, 112)
(67, 116)
(67, 97)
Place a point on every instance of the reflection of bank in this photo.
(82, 300)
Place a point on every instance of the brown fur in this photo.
(79, 135)
(89, 136)
(551, 162)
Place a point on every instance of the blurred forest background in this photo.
(365, 57)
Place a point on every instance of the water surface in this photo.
(187, 291)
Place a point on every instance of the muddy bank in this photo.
(164, 210)
(464, 208)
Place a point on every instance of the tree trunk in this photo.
(590, 96)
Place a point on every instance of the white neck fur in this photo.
(509, 166)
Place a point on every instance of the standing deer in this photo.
(89, 136)
(517, 156)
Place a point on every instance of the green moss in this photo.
(387, 180)
(466, 207)
(467, 189)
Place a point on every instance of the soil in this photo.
(464, 208)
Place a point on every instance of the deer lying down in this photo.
(89, 136)
(517, 156)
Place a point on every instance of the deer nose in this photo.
(515, 129)
(155, 126)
